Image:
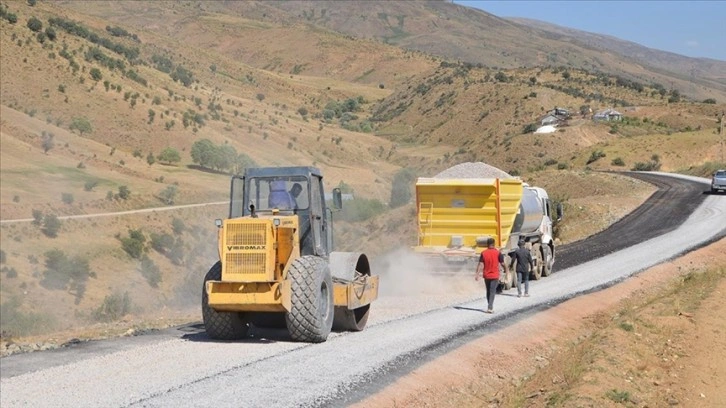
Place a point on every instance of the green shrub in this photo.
(150, 271)
(34, 24)
(96, 74)
(595, 156)
(123, 192)
(550, 162)
(617, 162)
(177, 225)
(361, 209)
(114, 307)
(169, 155)
(529, 128)
(16, 322)
(562, 166)
(90, 185)
(65, 273)
(51, 225)
(618, 396)
(67, 198)
(134, 244)
(402, 188)
(37, 217)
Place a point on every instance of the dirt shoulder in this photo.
(656, 339)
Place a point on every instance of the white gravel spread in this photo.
(411, 316)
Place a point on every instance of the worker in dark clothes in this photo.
(525, 264)
(488, 268)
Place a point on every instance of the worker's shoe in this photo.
(490, 311)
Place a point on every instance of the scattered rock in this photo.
(673, 401)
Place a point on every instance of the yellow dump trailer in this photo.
(456, 217)
(453, 213)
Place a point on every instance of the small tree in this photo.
(150, 158)
(37, 217)
(169, 155)
(34, 24)
(177, 225)
(168, 194)
(90, 185)
(51, 226)
(260, 97)
(501, 77)
(82, 125)
(150, 271)
(303, 111)
(401, 187)
(67, 198)
(134, 244)
(96, 74)
(50, 33)
(123, 192)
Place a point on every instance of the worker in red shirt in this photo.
(488, 268)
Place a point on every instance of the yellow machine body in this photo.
(255, 254)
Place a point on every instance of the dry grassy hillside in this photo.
(438, 28)
(85, 116)
(486, 114)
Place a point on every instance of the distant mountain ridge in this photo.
(444, 29)
(709, 71)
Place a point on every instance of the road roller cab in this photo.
(276, 266)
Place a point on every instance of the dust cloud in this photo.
(405, 273)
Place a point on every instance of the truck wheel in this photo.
(344, 265)
(547, 260)
(311, 316)
(221, 325)
(538, 262)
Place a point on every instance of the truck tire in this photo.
(310, 318)
(221, 325)
(343, 265)
(508, 282)
(536, 273)
(547, 260)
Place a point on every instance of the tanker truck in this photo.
(457, 216)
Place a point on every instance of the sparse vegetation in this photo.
(169, 156)
(134, 244)
(82, 125)
(51, 225)
(114, 307)
(595, 156)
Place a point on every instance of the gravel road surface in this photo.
(181, 367)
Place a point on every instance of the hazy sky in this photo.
(691, 28)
